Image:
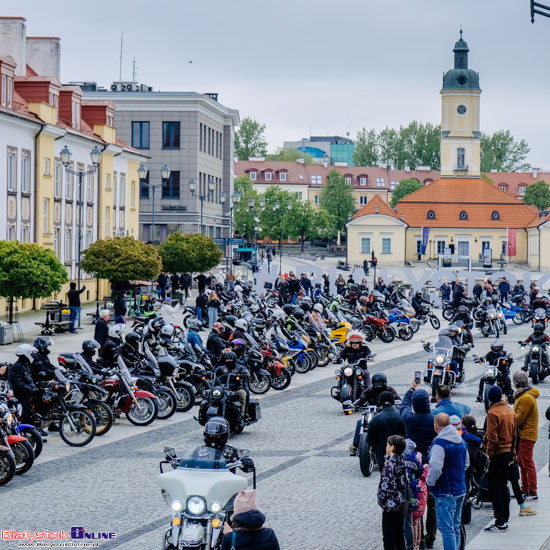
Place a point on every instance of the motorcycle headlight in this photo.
(215, 507)
(348, 371)
(492, 315)
(358, 372)
(176, 505)
(68, 386)
(195, 505)
(8, 419)
(217, 393)
(490, 372)
(536, 349)
(439, 359)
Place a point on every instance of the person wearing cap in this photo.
(500, 442)
(446, 405)
(247, 531)
(456, 423)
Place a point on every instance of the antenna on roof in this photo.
(134, 67)
(120, 62)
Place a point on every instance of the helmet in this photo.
(194, 324)
(463, 309)
(230, 320)
(318, 308)
(89, 346)
(496, 345)
(25, 350)
(132, 339)
(242, 324)
(537, 329)
(363, 300)
(299, 313)
(355, 336)
(288, 309)
(340, 298)
(278, 314)
(453, 328)
(379, 381)
(488, 298)
(167, 330)
(116, 331)
(254, 308)
(230, 356)
(219, 286)
(238, 343)
(218, 327)
(495, 298)
(216, 432)
(155, 324)
(306, 307)
(42, 343)
(418, 294)
(305, 300)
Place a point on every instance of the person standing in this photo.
(101, 331)
(186, 284)
(306, 284)
(527, 416)
(445, 290)
(366, 267)
(213, 307)
(446, 479)
(504, 289)
(500, 443)
(74, 305)
(200, 304)
(201, 282)
(392, 493)
(162, 281)
(120, 308)
(340, 284)
(293, 287)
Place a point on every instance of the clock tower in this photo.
(460, 135)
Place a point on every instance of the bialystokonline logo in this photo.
(75, 534)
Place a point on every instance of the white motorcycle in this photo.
(200, 490)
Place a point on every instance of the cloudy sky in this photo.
(322, 66)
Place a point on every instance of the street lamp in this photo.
(142, 174)
(289, 207)
(95, 155)
(211, 189)
(235, 199)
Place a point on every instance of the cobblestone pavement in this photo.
(311, 491)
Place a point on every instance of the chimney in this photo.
(44, 55)
(535, 172)
(12, 41)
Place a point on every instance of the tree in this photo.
(500, 151)
(404, 188)
(189, 253)
(337, 199)
(122, 259)
(29, 271)
(366, 149)
(250, 139)
(272, 221)
(290, 154)
(243, 219)
(538, 194)
(301, 222)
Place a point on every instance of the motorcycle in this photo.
(350, 384)
(440, 369)
(21, 449)
(367, 456)
(8, 467)
(492, 325)
(429, 315)
(539, 316)
(28, 431)
(381, 328)
(536, 369)
(199, 490)
(491, 376)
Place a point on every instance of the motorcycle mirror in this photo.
(170, 452)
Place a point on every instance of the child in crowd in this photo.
(418, 512)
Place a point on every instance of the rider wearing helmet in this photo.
(21, 381)
(417, 302)
(215, 344)
(193, 337)
(458, 353)
(228, 365)
(111, 349)
(166, 333)
(541, 339)
(130, 350)
(42, 369)
(241, 327)
(89, 349)
(463, 315)
(356, 349)
(494, 357)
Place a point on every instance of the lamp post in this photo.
(95, 155)
(142, 174)
(276, 207)
(211, 189)
(235, 199)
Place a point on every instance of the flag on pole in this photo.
(511, 237)
(425, 236)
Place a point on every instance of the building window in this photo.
(209, 140)
(463, 215)
(282, 176)
(171, 186)
(106, 221)
(89, 237)
(380, 182)
(108, 182)
(485, 245)
(57, 182)
(25, 173)
(268, 176)
(441, 247)
(56, 239)
(386, 245)
(68, 246)
(495, 215)
(504, 248)
(317, 180)
(460, 158)
(69, 184)
(431, 215)
(90, 187)
(200, 136)
(365, 245)
(25, 234)
(347, 179)
(502, 187)
(362, 181)
(253, 176)
(10, 93)
(122, 190)
(418, 246)
(363, 199)
(299, 195)
(316, 199)
(521, 190)
(170, 135)
(12, 171)
(133, 194)
(144, 187)
(140, 135)
(115, 190)
(11, 233)
(46, 166)
(393, 185)
(4, 90)
(46, 219)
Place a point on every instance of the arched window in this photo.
(495, 215)
(463, 215)
(431, 215)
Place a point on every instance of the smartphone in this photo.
(417, 376)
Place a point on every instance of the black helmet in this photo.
(298, 313)
(42, 343)
(89, 346)
(288, 309)
(216, 432)
(230, 320)
(496, 345)
(463, 309)
(305, 307)
(219, 286)
(538, 328)
(379, 381)
(495, 298)
(418, 293)
(230, 356)
(132, 339)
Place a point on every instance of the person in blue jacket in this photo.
(446, 405)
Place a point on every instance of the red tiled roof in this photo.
(515, 180)
(376, 206)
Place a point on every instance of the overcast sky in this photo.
(322, 66)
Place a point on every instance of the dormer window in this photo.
(253, 176)
(54, 102)
(463, 215)
(495, 215)
(431, 215)
(268, 176)
(347, 179)
(10, 91)
(282, 176)
(363, 180)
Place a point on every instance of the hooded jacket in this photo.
(392, 489)
(451, 407)
(527, 412)
(387, 422)
(501, 431)
(250, 534)
(419, 424)
(448, 462)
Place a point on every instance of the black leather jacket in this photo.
(41, 364)
(20, 378)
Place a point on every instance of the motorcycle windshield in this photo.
(540, 313)
(443, 347)
(203, 458)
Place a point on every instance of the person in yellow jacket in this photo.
(527, 414)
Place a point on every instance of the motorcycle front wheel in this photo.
(447, 313)
(386, 334)
(103, 415)
(436, 382)
(486, 401)
(24, 456)
(303, 363)
(167, 404)
(185, 398)
(405, 333)
(77, 428)
(435, 322)
(281, 381)
(518, 318)
(365, 460)
(7, 467)
(259, 383)
(323, 353)
(534, 373)
(144, 412)
(34, 438)
(414, 324)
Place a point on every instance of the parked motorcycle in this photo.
(8, 467)
(21, 449)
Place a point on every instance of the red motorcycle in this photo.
(140, 407)
(280, 377)
(380, 327)
(16, 453)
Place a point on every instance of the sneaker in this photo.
(41, 432)
(352, 450)
(479, 399)
(430, 543)
(530, 498)
(527, 511)
(495, 528)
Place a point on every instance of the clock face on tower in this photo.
(461, 109)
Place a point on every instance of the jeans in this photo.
(119, 319)
(294, 298)
(449, 512)
(74, 316)
(198, 311)
(212, 316)
(498, 486)
(392, 530)
(527, 467)
(408, 527)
